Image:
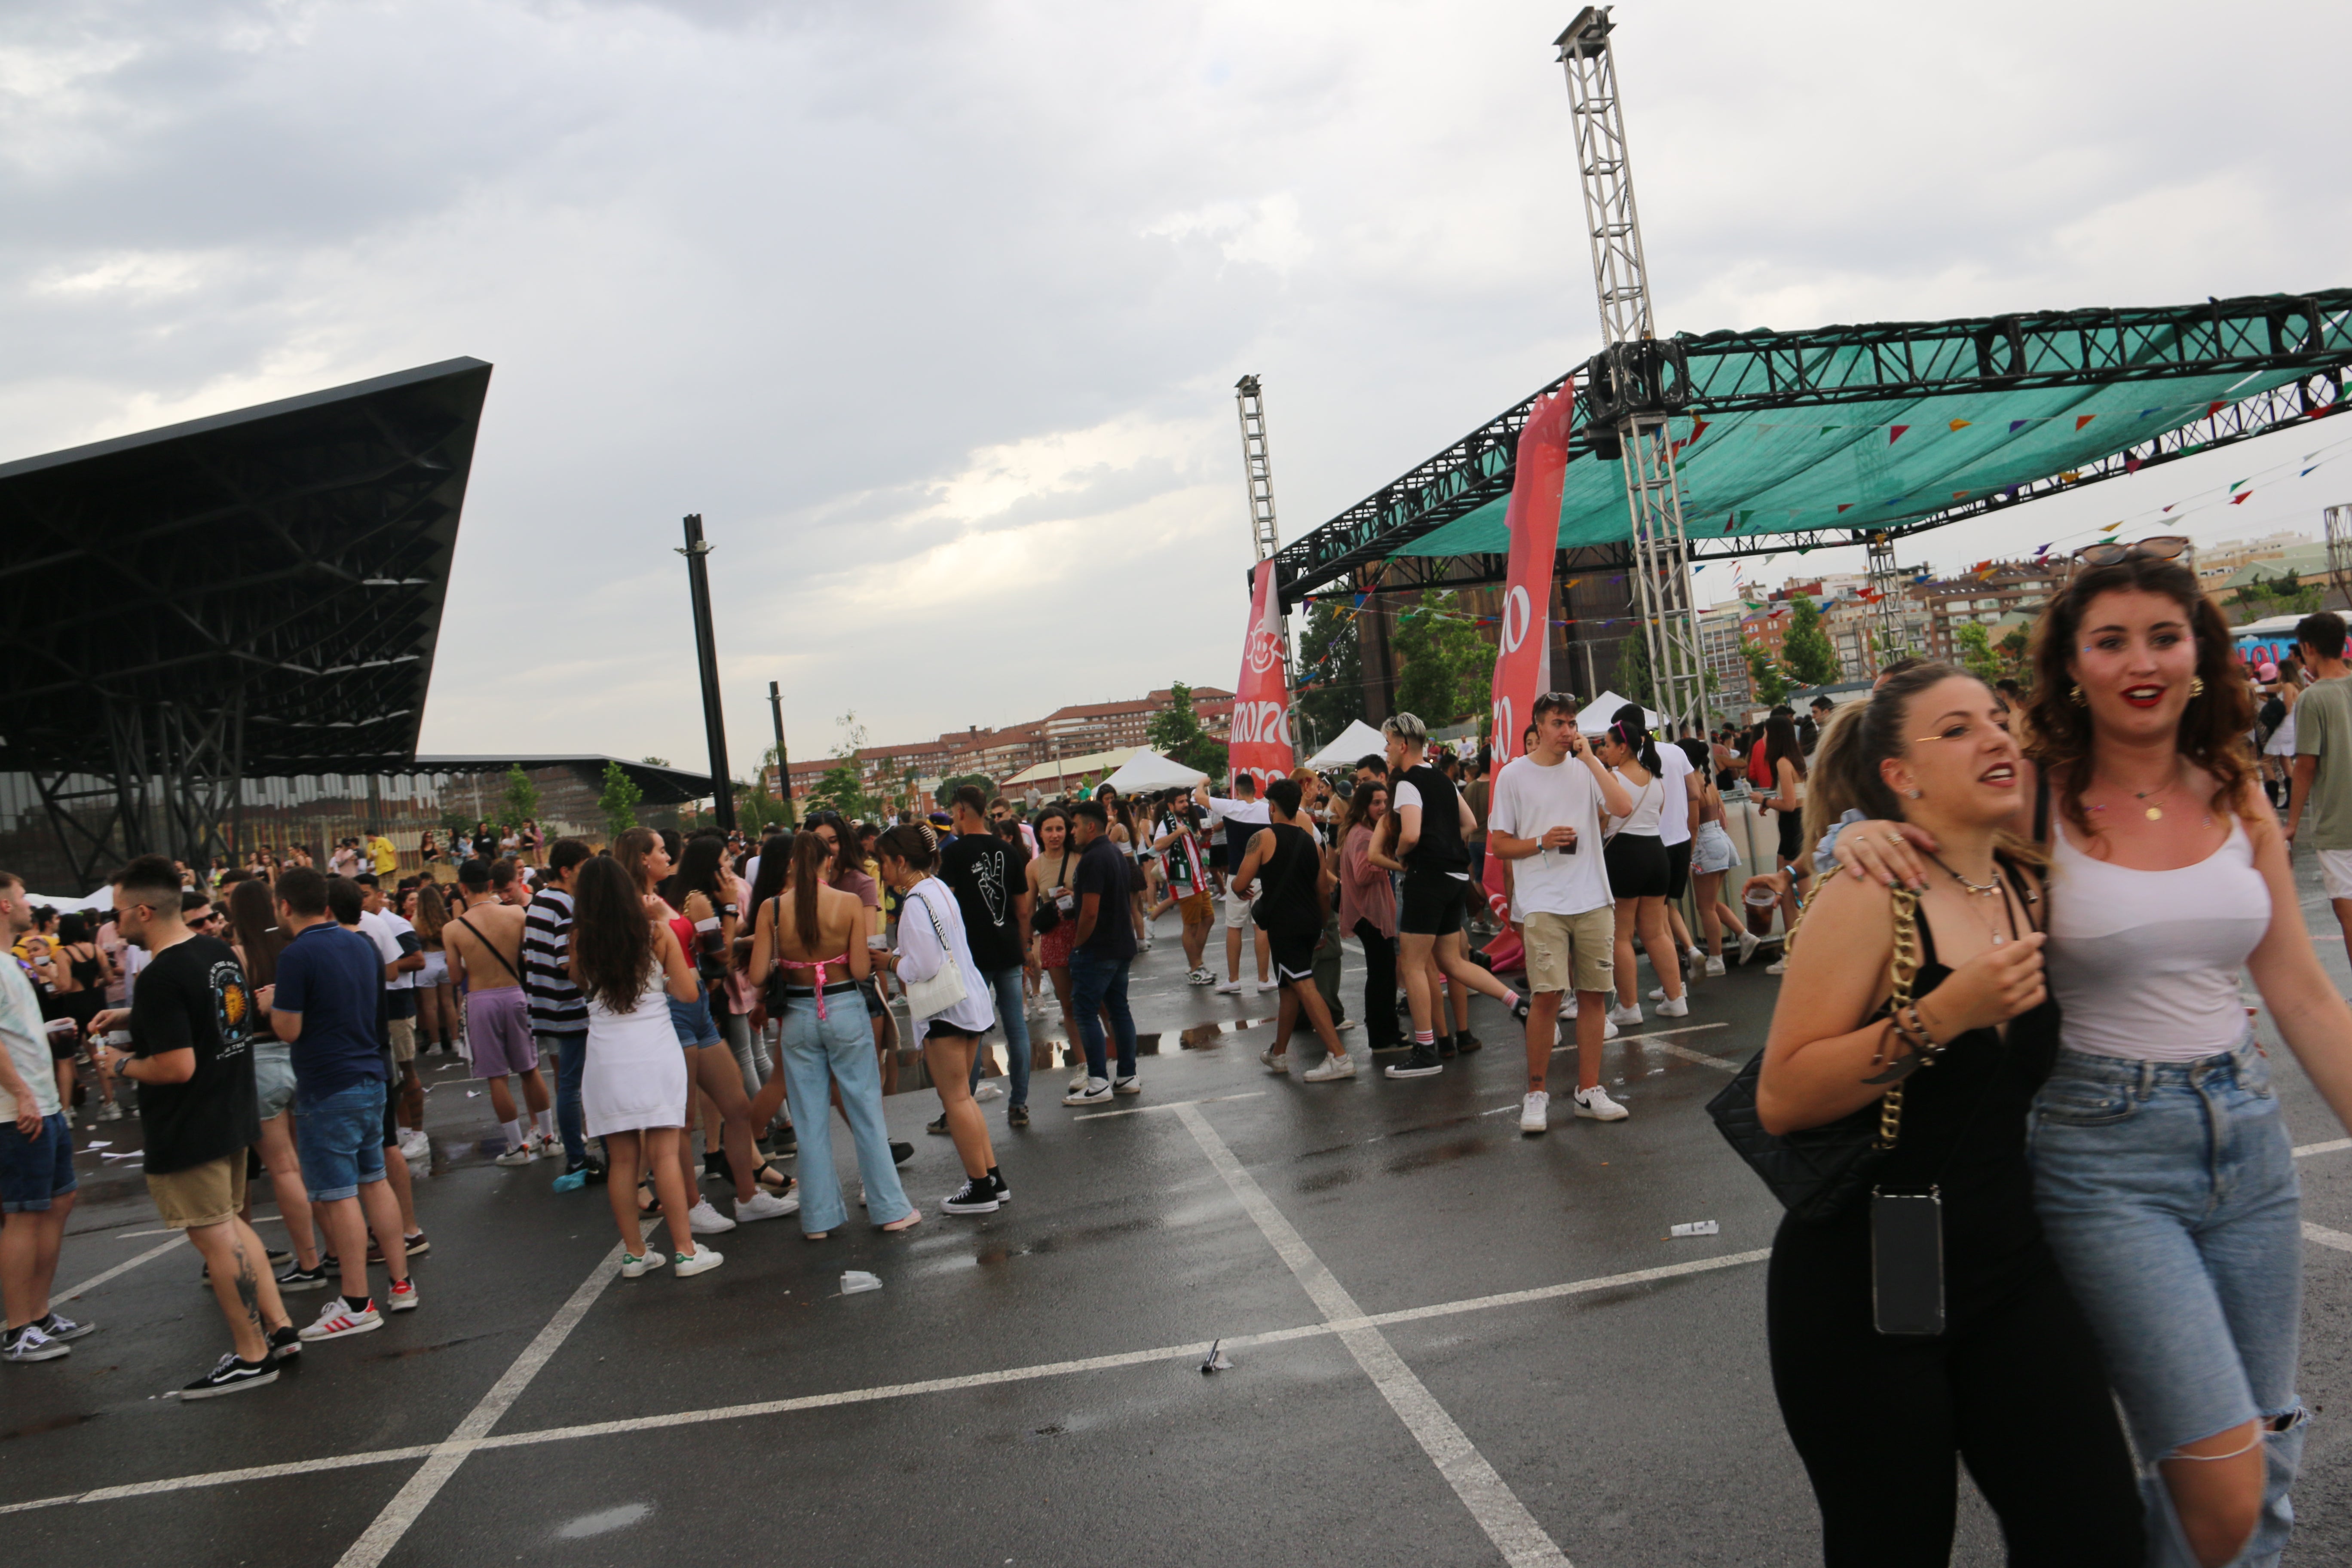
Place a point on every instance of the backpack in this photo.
(2273, 713)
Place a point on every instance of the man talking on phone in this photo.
(1545, 822)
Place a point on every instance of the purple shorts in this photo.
(498, 1032)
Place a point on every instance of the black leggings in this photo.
(1380, 985)
(2015, 1389)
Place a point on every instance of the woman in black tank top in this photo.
(1286, 861)
(2007, 1377)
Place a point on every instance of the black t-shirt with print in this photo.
(193, 996)
(987, 876)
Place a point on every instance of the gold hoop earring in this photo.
(2075, 695)
(2196, 687)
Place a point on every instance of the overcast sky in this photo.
(934, 312)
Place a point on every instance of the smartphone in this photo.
(1907, 1262)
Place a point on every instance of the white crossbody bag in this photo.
(928, 998)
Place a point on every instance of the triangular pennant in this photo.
(2215, 408)
(1845, 505)
(2082, 419)
(2017, 424)
(1895, 434)
(2234, 485)
(2111, 528)
(2131, 464)
(2240, 497)
(1963, 423)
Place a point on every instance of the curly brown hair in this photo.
(2212, 726)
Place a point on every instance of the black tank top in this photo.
(1440, 846)
(1964, 1125)
(1287, 899)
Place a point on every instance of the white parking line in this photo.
(2332, 1146)
(2326, 1238)
(1491, 1501)
(95, 1281)
(1139, 1109)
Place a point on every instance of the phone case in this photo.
(1907, 1262)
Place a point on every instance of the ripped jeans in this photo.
(2169, 1193)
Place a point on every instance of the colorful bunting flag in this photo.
(2017, 424)
(1845, 505)
(1895, 434)
(1963, 423)
(2240, 497)
(2082, 419)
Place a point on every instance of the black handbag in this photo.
(1045, 914)
(1820, 1171)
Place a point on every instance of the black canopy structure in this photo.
(658, 782)
(253, 594)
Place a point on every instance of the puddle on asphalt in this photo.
(1444, 1153)
(605, 1522)
(55, 1424)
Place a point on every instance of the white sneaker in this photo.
(704, 1260)
(1657, 992)
(522, 1156)
(704, 1220)
(988, 1089)
(1748, 943)
(764, 1205)
(1567, 1006)
(1608, 1028)
(1778, 966)
(1265, 985)
(1078, 1082)
(1535, 1111)
(1200, 977)
(1595, 1103)
(1093, 1092)
(635, 1267)
(417, 1148)
(1674, 1007)
(1275, 1061)
(1229, 988)
(1344, 1025)
(1630, 1014)
(1330, 1070)
(338, 1322)
(1713, 967)
(546, 1143)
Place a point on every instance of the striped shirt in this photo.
(555, 1002)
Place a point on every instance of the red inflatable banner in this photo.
(1260, 741)
(1523, 650)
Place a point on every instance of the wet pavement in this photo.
(1449, 1344)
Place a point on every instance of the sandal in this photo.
(774, 1180)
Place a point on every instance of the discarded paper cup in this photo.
(853, 1280)
(1696, 1228)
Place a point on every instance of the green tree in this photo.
(840, 789)
(1765, 674)
(1330, 693)
(946, 791)
(1446, 669)
(522, 796)
(772, 758)
(1806, 648)
(1175, 733)
(657, 762)
(619, 801)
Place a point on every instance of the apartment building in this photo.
(1983, 597)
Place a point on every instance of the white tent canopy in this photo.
(101, 900)
(1602, 713)
(1071, 770)
(1148, 770)
(1357, 739)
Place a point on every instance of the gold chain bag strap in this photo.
(1820, 1172)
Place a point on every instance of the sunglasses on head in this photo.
(2108, 553)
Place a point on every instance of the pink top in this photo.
(1365, 891)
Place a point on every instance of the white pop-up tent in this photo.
(1357, 739)
(1602, 713)
(1148, 770)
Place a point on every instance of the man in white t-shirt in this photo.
(402, 953)
(1544, 821)
(1233, 823)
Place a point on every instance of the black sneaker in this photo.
(418, 1245)
(1446, 1046)
(230, 1375)
(977, 1196)
(1004, 1192)
(298, 1277)
(940, 1126)
(1423, 1063)
(784, 1142)
(279, 1257)
(900, 1153)
(284, 1341)
(717, 1166)
(1016, 1116)
(1519, 1009)
(1466, 1042)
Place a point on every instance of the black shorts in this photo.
(1679, 868)
(1792, 836)
(1294, 956)
(1430, 904)
(1637, 866)
(874, 1005)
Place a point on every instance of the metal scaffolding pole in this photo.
(1636, 384)
(706, 647)
(1265, 539)
(784, 763)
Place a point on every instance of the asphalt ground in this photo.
(1449, 1344)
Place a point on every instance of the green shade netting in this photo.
(1867, 465)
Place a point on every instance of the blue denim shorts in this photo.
(693, 1022)
(2169, 1193)
(35, 1170)
(340, 1138)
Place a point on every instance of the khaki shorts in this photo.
(1572, 952)
(404, 1038)
(209, 1193)
(2335, 872)
(1196, 909)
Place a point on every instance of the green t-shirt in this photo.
(2322, 729)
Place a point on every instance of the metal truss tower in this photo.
(2337, 522)
(1889, 635)
(1265, 539)
(1638, 384)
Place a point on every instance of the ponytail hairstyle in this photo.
(2212, 733)
(913, 843)
(809, 855)
(1856, 738)
(629, 852)
(1635, 736)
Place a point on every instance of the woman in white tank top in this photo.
(2163, 1173)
